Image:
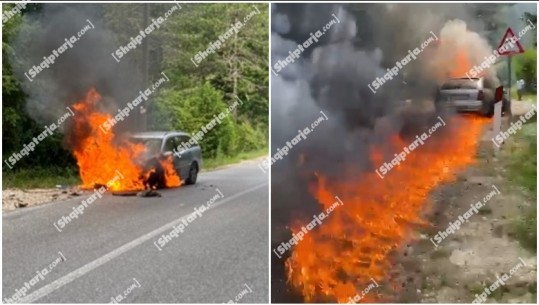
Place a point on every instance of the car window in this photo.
(170, 144)
(152, 145)
(179, 142)
(186, 139)
(461, 83)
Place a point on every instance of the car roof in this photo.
(158, 134)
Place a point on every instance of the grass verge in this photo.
(523, 173)
(39, 177)
(526, 96)
(213, 163)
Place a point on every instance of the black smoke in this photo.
(88, 64)
(332, 75)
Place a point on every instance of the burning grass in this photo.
(356, 243)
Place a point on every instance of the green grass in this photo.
(522, 167)
(526, 96)
(39, 177)
(525, 229)
(523, 173)
(476, 288)
(213, 163)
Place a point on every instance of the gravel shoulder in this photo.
(460, 267)
(17, 198)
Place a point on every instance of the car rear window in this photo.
(463, 83)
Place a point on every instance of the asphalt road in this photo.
(111, 251)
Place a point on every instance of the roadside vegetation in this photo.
(523, 175)
(224, 160)
(521, 150)
(238, 71)
(40, 177)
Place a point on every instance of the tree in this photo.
(525, 68)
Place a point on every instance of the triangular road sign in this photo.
(510, 44)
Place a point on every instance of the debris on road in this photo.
(148, 193)
(17, 198)
(145, 193)
(21, 205)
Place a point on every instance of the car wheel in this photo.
(193, 174)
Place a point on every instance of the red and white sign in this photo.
(512, 45)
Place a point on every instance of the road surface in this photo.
(112, 249)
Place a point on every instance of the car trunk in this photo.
(458, 94)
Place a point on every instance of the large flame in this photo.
(337, 260)
(461, 64)
(457, 52)
(101, 161)
(356, 243)
(171, 177)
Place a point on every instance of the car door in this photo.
(196, 155)
(184, 156)
(169, 148)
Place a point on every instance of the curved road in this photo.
(113, 249)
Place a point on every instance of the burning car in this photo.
(144, 161)
(162, 146)
(469, 95)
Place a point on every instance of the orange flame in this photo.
(461, 65)
(171, 177)
(337, 260)
(100, 160)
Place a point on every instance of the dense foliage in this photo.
(526, 68)
(237, 71)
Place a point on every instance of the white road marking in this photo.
(66, 279)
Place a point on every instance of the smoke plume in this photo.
(332, 75)
(87, 64)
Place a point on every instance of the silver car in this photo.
(469, 95)
(161, 144)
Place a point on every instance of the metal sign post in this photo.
(512, 40)
(497, 123)
(509, 77)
